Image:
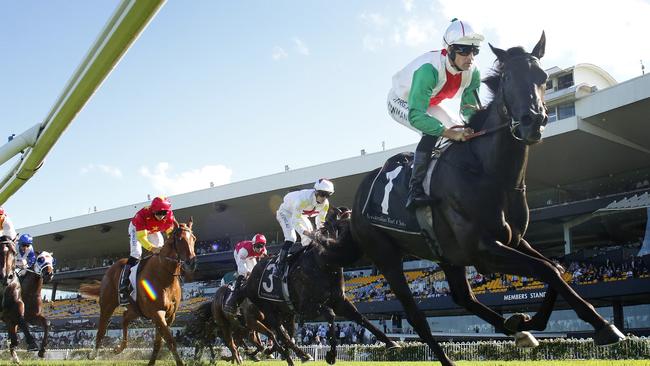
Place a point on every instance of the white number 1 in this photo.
(389, 187)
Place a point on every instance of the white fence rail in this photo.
(638, 348)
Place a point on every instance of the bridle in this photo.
(177, 260)
(503, 110)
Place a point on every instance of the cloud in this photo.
(373, 19)
(106, 169)
(408, 5)
(164, 182)
(300, 45)
(371, 43)
(279, 53)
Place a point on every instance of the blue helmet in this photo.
(25, 239)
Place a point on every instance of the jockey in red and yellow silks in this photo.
(145, 231)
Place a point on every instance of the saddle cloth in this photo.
(385, 205)
(271, 287)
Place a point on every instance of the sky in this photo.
(223, 91)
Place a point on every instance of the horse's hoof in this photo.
(392, 345)
(41, 353)
(92, 354)
(525, 340)
(330, 357)
(607, 335)
(515, 321)
(255, 358)
(117, 350)
(14, 357)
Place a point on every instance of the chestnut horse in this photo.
(12, 308)
(158, 291)
(31, 284)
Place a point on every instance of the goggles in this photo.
(465, 50)
(323, 194)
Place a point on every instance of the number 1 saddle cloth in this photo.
(385, 205)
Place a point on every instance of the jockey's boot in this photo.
(124, 280)
(232, 302)
(417, 197)
(282, 259)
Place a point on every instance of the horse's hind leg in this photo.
(289, 325)
(346, 309)
(127, 317)
(500, 258)
(389, 262)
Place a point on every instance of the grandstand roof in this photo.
(609, 134)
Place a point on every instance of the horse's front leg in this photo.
(462, 294)
(40, 319)
(157, 343)
(12, 329)
(159, 320)
(289, 324)
(127, 317)
(329, 316)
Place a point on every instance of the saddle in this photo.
(385, 205)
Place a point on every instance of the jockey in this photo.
(145, 231)
(246, 254)
(419, 88)
(294, 213)
(25, 257)
(7, 225)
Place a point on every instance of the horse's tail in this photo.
(90, 290)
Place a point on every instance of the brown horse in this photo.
(233, 331)
(41, 272)
(13, 308)
(158, 291)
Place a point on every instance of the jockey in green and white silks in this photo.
(414, 99)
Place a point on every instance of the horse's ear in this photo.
(501, 55)
(540, 47)
(191, 222)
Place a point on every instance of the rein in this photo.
(178, 261)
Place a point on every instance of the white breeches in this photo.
(244, 266)
(288, 230)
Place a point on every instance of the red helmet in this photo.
(259, 239)
(2, 211)
(160, 204)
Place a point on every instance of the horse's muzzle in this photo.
(190, 265)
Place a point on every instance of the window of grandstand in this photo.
(566, 110)
(565, 81)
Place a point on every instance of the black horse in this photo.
(316, 288)
(12, 308)
(480, 213)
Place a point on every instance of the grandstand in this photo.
(588, 192)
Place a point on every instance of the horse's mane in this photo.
(493, 82)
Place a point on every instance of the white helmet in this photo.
(460, 32)
(324, 185)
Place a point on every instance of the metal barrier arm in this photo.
(123, 28)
